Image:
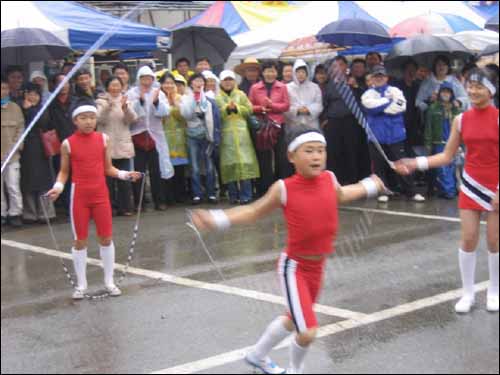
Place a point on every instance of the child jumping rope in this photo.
(310, 201)
(478, 130)
(86, 154)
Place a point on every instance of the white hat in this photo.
(227, 74)
(209, 75)
(37, 74)
(145, 71)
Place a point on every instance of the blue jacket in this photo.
(385, 107)
(217, 122)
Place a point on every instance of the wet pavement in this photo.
(382, 262)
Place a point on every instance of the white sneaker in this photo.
(113, 290)
(266, 365)
(419, 198)
(383, 199)
(492, 304)
(79, 294)
(465, 305)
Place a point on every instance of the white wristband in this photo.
(59, 187)
(123, 175)
(370, 187)
(423, 163)
(221, 219)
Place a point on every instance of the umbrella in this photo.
(424, 49)
(22, 45)
(354, 32)
(432, 24)
(490, 50)
(492, 23)
(201, 41)
(309, 49)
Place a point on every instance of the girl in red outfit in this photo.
(87, 154)
(478, 130)
(309, 200)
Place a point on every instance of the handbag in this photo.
(51, 143)
(268, 135)
(253, 123)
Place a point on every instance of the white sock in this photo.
(273, 335)
(108, 261)
(493, 265)
(297, 356)
(80, 264)
(468, 271)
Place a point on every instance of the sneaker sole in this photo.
(249, 362)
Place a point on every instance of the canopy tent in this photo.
(485, 9)
(313, 16)
(237, 17)
(270, 40)
(80, 26)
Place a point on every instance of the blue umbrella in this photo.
(354, 32)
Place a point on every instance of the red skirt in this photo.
(479, 188)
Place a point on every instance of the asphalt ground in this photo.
(387, 305)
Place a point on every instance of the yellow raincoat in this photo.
(175, 127)
(238, 160)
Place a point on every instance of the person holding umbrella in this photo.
(12, 126)
(36, 172)
(344, 135)
(477, 128)
(441, 71)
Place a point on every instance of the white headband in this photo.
(483, 81)
(306, 138)
(83, 108)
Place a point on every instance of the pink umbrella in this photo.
(432, 24)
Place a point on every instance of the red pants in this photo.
(87, 203)
(301, 282)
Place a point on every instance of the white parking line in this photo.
(406, 214)
(328, 330)
(235, 291)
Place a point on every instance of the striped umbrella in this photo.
(432, 24)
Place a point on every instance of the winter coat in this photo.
(384, 107)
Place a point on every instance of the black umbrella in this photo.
(354, 32)
(201, 41)
(492, 23)
(492, 49)
(424, 49)
(22, 45)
